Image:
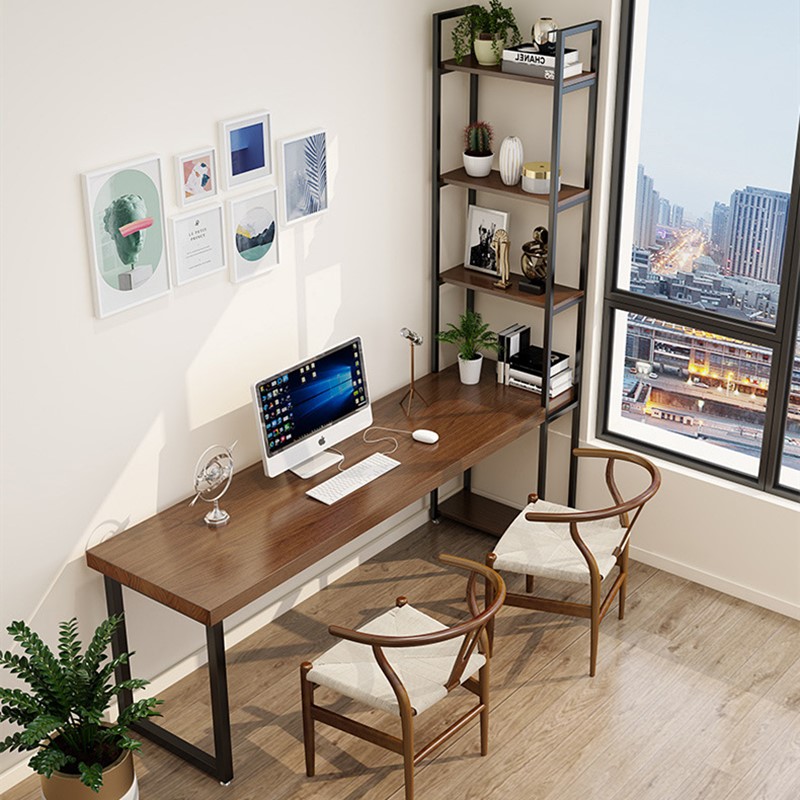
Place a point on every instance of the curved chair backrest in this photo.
(473, 630)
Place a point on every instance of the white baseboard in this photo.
(282, 599)
(716, 582)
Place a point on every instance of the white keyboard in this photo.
(348, 480)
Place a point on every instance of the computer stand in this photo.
(315, 464)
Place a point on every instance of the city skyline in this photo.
(740, 145)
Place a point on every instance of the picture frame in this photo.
(247, 148)
(198, 243)
(481, 226)
(253, 234)
(124, 209)
(304, 167)
(196, 176)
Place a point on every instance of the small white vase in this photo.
(485, 53)
(478, 166)
(470, 369)
(511, 160)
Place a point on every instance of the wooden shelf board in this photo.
(478, 512)
(563, 296)
(471, 66)
(567, 197)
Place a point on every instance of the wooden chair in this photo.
(553, 541)
(403, 662)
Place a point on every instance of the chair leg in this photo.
(483, 678)
(623, 589)
(595, 625)
(407, 727)
(307, 697)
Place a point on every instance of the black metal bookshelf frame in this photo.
(560, 89)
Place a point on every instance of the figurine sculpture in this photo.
(500, 246)
(125, 220)
(534, 262)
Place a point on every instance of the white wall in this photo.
(102, 421)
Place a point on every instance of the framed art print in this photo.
(247, 148)
(198, 246)
(305, 176)
(125, 225)
(253, 231)
(197, 176)
(481, 226)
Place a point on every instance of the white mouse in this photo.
(425, 436)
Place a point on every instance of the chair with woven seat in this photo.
(548, 540)
(403, 662)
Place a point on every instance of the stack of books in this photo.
(525, 371)
(510, 341)
(525, 59)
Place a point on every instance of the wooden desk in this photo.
(276, 531)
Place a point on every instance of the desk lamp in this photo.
(414, 340)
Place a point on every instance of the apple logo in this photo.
(321, 440)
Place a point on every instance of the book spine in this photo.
(529, 387)
(548, 73)
(538, 59)
(556, 381)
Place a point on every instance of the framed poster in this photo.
(253, 230)
(196, 176)
(481, 226)
(198, 247)
(305, 176)
(125, 225)
(247, 148)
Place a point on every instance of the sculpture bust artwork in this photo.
(125, 220)
(534, 256)
(500, 246)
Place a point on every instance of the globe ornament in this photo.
(212, 477)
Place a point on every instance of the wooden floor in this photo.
(697, 695)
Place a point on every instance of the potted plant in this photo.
(78, 755)
(470, 335)
(485, 29)
(478, 154)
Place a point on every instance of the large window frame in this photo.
(780, 339)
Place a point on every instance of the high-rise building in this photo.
(646, 211)
(676, 216)
(719, 225)
(663, 211)
(758, 219)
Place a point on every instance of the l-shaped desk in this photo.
(276, 531)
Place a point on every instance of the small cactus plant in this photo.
(478, 139)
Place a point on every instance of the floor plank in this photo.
(697, 695)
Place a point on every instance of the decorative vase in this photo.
(119, 783)
(469, 369)
(485, 52)
(543, 34)
(478, 166)
(511, 160)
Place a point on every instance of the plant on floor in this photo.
(491, 23)
(61, 715)
(470, 335)
(478, 138)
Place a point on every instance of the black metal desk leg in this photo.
(220, 765)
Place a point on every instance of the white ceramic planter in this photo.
(478, 166)
(485, 53)
(470, 369)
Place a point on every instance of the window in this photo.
(702, 343)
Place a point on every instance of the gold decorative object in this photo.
(414, 339)
(534, 261)
(500, 246)
(536, 177)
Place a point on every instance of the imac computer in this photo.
(303, 410)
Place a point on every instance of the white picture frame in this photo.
(124, 206)
(481, 226)
(246, 148)
(197, 239)
(253, 234)
(196, 176)
(304, 167)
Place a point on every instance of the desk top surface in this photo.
(276, 531)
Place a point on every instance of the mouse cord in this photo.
(372, 441)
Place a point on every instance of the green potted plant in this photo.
(487, 30)
(478, 154)
(470, 335)
(78, 755)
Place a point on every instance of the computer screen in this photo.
(311, 406)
